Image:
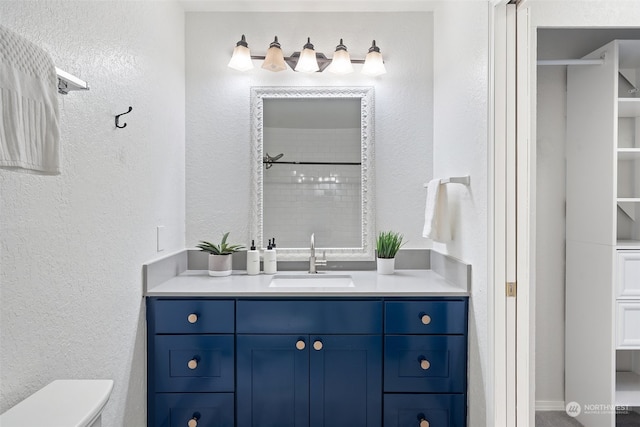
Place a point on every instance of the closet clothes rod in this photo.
(570, 61)
(68, 82)
(464, 180)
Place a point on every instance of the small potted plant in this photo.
(387, 245)
(219, 255)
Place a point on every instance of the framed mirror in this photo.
(312, 155)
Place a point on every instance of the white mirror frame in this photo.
(367, 186)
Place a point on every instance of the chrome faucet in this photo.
(313, 262)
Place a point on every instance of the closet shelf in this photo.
(627, 389)
(628, 153)
(628, 244)
(628, 199)
(628, 107)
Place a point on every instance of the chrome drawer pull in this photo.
(425, 319)
(300, 345)
(192, 318)
(317, 345)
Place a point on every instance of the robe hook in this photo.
(118, 119)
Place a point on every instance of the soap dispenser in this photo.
(270, 265)
(253, 260)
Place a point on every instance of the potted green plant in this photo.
(219, 255)
(387, 246)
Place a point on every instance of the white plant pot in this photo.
(220, 265)
(386, 265)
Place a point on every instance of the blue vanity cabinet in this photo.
(307, 362)
(318, 363)
(425, 363)
(191, 362)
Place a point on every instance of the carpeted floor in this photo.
(561, 419)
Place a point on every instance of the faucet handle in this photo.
(322, 261)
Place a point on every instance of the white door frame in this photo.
(510, 184)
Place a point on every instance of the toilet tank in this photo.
(63, 403)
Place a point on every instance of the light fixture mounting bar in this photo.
(323, 61)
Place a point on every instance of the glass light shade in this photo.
(241, 58)
(274, 61)
(373, 64)
(341, 63)
(308, 63)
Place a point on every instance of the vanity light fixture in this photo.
(274, 61)
(341, 62)
(308, 61)
(241, 58)
(373, 63)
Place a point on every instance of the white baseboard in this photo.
(550, 405)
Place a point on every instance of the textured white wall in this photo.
(431, 120)
(218, 126)
(73, 245)
(460, 148)
(550, 140)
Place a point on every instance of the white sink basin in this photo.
(311, 281)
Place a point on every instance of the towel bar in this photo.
(68, 82)
(464, 180)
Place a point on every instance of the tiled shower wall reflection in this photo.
(321, 199)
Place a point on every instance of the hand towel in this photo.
(29, 123)
(436, 217)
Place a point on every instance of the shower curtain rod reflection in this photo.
(273, 160)
(269, 164)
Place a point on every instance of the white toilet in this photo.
(63, 403)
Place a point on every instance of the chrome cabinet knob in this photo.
(192, 318)
(425, 319)
(317, 345)
(424, 423)
(300, 345)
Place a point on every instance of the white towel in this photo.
(29, 130)
(436, 217)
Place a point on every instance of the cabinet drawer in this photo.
(194, 363)
(628, 325)
(425, 317)
(628, 273)
(191, 316)
(439, 410)
(209, 410)
(425, 364)
(315, 317)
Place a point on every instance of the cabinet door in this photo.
(345, 380)
(272, 387)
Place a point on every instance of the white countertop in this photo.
(194, 283)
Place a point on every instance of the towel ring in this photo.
(118, 119)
